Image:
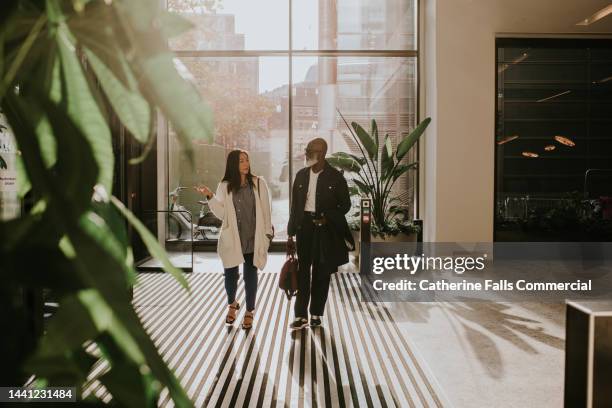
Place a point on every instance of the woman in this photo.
(242, 202)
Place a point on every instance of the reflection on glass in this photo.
(354, 25)
(362, 89)
(565, 141)
(246, 116)
(550, 92)
(507, 139)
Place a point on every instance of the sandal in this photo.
(231, 313)
(247, 320)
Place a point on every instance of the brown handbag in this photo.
(287, 279)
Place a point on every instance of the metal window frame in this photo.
(290, 53)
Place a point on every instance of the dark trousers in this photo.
(249, 276)
(313, 275)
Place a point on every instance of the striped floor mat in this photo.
(358, 357)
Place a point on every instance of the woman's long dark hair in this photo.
(232, 171)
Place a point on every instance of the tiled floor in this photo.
(503, 355)
(366, 354)
(357, 359)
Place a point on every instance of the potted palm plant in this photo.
(374, 173)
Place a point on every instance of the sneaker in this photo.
(299, 323)
(315, 321)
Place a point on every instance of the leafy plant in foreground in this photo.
(63, 65)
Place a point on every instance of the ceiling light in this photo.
(517, 60)
(507, 139)
(554, 96)
(604, 80)
(530, 154)
(597, 16)
(565, 141)
(550, 148)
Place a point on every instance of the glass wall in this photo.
(554, 140)
(362, 89)
(245, 117)
(275, 74)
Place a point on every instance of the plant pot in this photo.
(401, 237)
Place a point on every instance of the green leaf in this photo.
(110, 308)
(96, 269)
(113, 241)
(110, 45)
(360, 160)
(165, 88)
(20, 118)
(60, 369)
(133, 109)
(67, 108)
(365, 189)
(401, 169)
(9, 75)
(366, 141)
(69, 328)
(60, 356)
(151, 243)
(406, 144)
(386, 158)
(50, 74)
(23, 183)
(75, 166)
(14, 231)
(104, 319)
(79, 5)
(374, 133)
(129, 386)
(83, 108)
(344, 163)
(117, 228)
(54, 11)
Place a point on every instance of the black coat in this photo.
(332, 202)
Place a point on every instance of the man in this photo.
(320, 201)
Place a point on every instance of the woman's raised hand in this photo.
(204, 191)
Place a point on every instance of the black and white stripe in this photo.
(358, 358)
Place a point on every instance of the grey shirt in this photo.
(244, 203)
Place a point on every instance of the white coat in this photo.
(228, 246)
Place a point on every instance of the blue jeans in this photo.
(249, 276)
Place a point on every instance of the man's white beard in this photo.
(310, 162)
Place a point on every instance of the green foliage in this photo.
(63, 65)
(375, 172)
(572, 218)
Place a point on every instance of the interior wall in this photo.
(458, 88)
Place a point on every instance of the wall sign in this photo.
(10, 205)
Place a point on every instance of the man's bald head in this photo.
(318, 145)
(315, 153)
